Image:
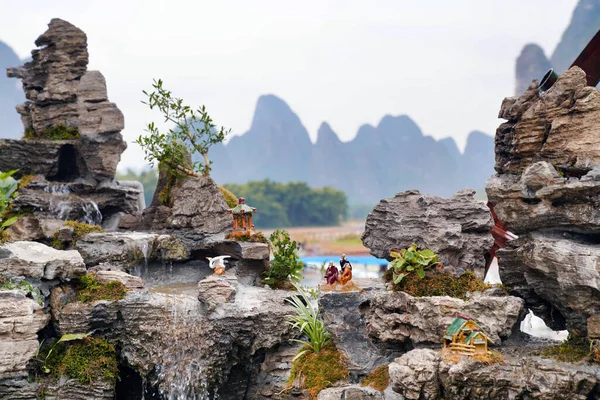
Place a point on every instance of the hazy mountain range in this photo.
(11, 94)
(379, 162)
(532, 63)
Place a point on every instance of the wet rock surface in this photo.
(36, 260)
(423, 374)
(173, 343)
(456, 228)
(129, 281)
(546, 191)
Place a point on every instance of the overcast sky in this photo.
(446, 64)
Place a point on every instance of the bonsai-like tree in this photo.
(193, 131)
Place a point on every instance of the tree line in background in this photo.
(278, 204)
(292, 204)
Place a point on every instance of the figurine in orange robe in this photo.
(346, 274)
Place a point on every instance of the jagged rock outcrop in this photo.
(557, 275)
(373, 326)
(457, 229)
(20, 320)
(558, 127)
(197, 210)
(423, 374)
(546, 191)
(170, 340)
(62, 96)
(36, 260)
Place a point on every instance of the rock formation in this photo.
(546, 191)
(423, 374)
(457, 229)
(72, 135)
(372, 327)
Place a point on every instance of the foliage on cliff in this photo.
(8, 191)
(292, 204)
(193, 132)
(285, 265)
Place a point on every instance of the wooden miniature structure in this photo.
(242, 216)
(464, 336)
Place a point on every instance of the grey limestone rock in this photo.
(36, 260)
(458, 228)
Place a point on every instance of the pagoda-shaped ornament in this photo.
(242, 216)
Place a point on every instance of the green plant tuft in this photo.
(285, 265)
(23, 286)
(59, 132)
(308, 322)
(379, 379)
(89, 290)
(410, 261)
(317, 371)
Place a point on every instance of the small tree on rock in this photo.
(193, 132)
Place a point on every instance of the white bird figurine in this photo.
(218, 264)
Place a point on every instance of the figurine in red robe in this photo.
(331, 275)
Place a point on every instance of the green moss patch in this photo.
(571, 350)
(80, 230)
(317, 371)
(230, 198)
(87, 360)
(440, 285)
(89, 290)
(59, 132)
(247, 236)
(379, 379)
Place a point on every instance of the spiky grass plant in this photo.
(307, 321)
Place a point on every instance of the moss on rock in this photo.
(230, 198)
(379, 379)
(573, 349)
(317, 371)
(59, 132)
(437, 284)
(89, 290)
(87, 360)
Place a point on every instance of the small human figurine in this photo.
(218, 264)
(331, 275)
(346, 274)
(344, 263)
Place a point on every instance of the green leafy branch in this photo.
(193, 131)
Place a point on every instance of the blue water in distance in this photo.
(364, 260)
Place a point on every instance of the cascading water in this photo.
(62, 205)
(180, 373)
(91, 213)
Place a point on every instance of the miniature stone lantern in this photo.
(242, 216)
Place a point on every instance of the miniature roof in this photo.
(473, 335)
(241, 208)
(459, 324)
